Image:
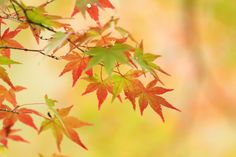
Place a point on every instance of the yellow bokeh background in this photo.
(197, 42)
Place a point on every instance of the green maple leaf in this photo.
(39, 16)
(146, 61)
(108, 56)
(7, 61)
(51, 106)
(58, 40)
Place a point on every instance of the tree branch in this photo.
(10, 111)
(31, 50)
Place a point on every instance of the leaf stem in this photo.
(101, 75)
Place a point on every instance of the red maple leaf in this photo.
(36, 30)
(1, 21)
(77, 64)
(8, 133)
(9, 95)
(102, 88)
(7, 40)
(151, 95)
(92, 8)
(4, 76)
(11, 116)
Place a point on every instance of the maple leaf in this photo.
(125, 33)
(107, 39)
(109, 57)
(36, 30)
(37, 19)
(57, 41)
(145, 60)
(38, 16)
(102, 88)
(2, 22)
(77, 64)
(91, 6)
(7, 61)
(62, 124)
(128, 83)
(11, 116)
(9, 95)
(4, 76)
(8, 133)
(106, 4)
(151, 95)
(7, 40)
(77, 39)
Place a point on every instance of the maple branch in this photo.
(48, 2)
(11, 111)
(119, 72)
(31, 50)
(43, 38)
(76, 46)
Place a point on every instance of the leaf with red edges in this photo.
(18, 114)
(91, 6)
(129, 84)
(63, 125)
(106, 4)
(77, 64)
(7, 40)
(1, 21)
(9, 95)
(7, 133)
(4, 76)
(102, 89)
(151, 96)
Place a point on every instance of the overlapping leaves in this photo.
(91, 6)
(62, 124)
(103, 53)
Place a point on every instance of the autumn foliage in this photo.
(106, 56)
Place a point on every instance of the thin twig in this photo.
(48, 2)
(30, 50)
(14, 7)
(10, 111)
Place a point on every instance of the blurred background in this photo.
(196, 39)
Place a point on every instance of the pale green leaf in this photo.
(7, 61)
(57, 41)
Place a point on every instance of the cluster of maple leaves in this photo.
(106, 56)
